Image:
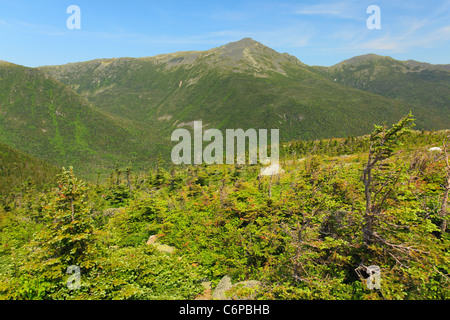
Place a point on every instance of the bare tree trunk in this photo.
(443, 211)
(297, 272)
(368, 215)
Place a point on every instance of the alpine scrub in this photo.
(310, 232)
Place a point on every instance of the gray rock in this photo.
(224, 285)
(250, 284)
(163, 247)
(152, 239)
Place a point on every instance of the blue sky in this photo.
(34, 33)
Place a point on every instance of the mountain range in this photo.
(415, 83)
(97, 113)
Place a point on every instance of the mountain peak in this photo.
(247, 42)
(389, 62)
(239, 46)
(423, 65)
(250, 55)
(363, 58)
(5, 62)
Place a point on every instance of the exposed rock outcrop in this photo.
(153, 240)
(244, 290)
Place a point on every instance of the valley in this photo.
(87, 181)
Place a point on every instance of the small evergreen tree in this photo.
(376, 191)
(446, 186)
(71, 229)
(65, 240)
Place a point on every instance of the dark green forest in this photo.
(309, 232)
(94, 114)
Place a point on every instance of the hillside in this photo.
(412, 82)
(17, 168)
(297, 235)
(46, 119)
(95, 114)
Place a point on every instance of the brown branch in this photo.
(398, 247)
(443, 210)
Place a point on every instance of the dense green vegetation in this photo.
(18, 171)
(94, 114)
(243, 84)
(46, 119)
(409, 81)
(299, 233)
(346, 199)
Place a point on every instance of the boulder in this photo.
(243, 290)
(163, 247)
(224, 285)
(152, 240)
